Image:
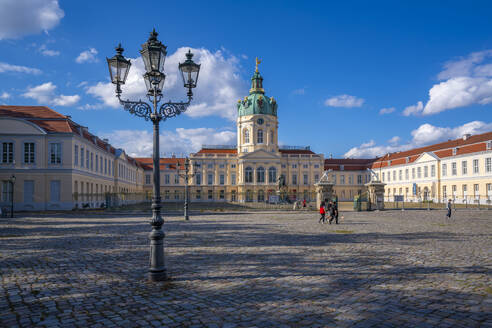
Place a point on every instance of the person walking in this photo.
(331, 209)
(335, 207)
(448, 207)
(322, 219)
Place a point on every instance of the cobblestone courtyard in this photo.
(275, 269)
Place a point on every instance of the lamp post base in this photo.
(158, 275)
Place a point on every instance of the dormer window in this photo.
(342, 167)
(389, 163)
(455, 151)
(408, 159)
(489, 145)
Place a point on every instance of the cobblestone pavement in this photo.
(276, 269)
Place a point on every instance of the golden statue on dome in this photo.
(258, 62)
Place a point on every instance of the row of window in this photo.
(416, 173)
(360, 179)
(233, 166)
(29, 153)
(210, 179)
(464, 190)
(86, 159)
(464, 167)
(423, 172)
(29, 191)
(425, 192)
(259, 136)
(126, 173)
(211, 165)
(83, 191)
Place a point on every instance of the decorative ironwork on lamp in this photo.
(154, 55)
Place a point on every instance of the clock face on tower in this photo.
(260, 121)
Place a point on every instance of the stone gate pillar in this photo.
(324, 190)
(376, 195)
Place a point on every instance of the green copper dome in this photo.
(257, 102)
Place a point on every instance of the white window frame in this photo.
(33, 153)
(8, 153)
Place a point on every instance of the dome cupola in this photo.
(257, 102)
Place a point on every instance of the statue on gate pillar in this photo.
(324, 189)
(375, 190)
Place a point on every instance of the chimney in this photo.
(106, 140)
(331, 156)
(466, 136)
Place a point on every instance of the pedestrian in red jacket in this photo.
(322, 219)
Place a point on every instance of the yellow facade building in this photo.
(59, 164)
(459, 169)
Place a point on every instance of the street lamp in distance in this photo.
(12, 183)
(186, 176)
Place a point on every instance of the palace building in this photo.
(59, 164)
(459, 169)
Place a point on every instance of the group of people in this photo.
(331, 208)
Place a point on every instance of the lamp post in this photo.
(12, 183)
(186, 176)
(154, 54)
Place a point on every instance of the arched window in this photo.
(260, 136)
(248, 175)
(246, 135)
(272, 175)
(260, 175)
(249, 195)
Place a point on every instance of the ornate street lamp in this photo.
(154, 54)
(186, 176)
(12, 183)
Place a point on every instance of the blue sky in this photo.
(332, 67)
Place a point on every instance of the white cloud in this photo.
(91, 106)
(63, 100)
(388, 110)
(464, 66)
(24, 17)
(344, 101)
(48, 52)
(5, 95)
(219, 84)
(394, 141)
(424, 135)
(88, 56)
(45, 94)
(4, 68)
(414, 109)
(458, 92)
(138, 143)
(464, 82)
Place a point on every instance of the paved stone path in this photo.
(277, 269)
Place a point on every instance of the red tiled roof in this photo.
(164, 163)
(52, 122)
(53, 126)
(349, 161)
(472, 144)
(217, 151)
(36, 112)
(296, 151)
(349, 164)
